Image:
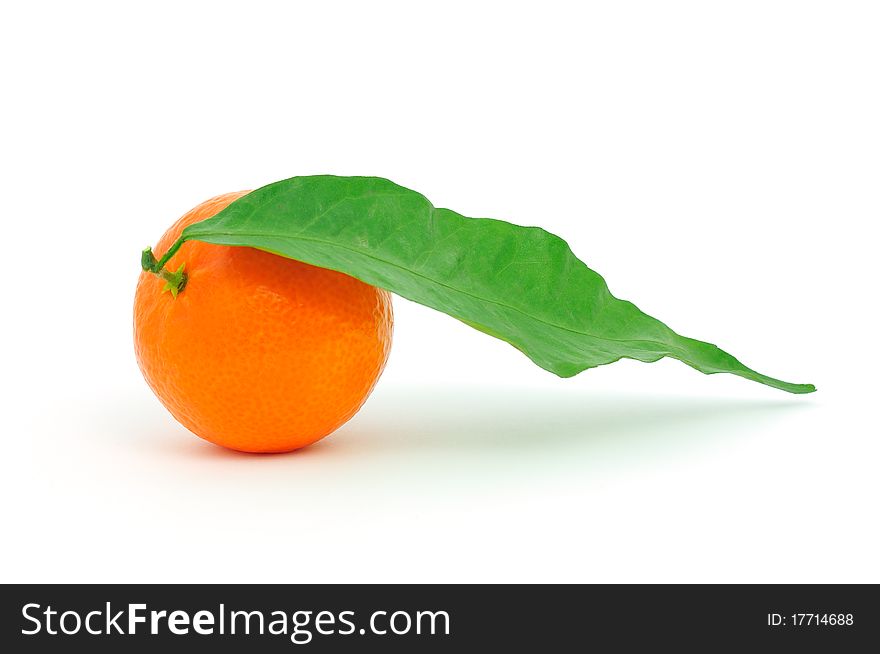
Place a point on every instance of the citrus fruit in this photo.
(258, 352)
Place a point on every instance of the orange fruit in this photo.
(258, 352)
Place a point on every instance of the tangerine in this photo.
(258, 353)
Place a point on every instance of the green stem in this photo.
(174, 281)
(170, 253)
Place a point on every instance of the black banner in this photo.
(436, 618)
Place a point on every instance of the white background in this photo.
(716, 162)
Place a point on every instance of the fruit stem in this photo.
(174, 281)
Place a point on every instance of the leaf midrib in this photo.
(434, 281)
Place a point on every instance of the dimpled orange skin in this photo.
(258, 353)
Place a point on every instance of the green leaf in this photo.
(520, 284)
